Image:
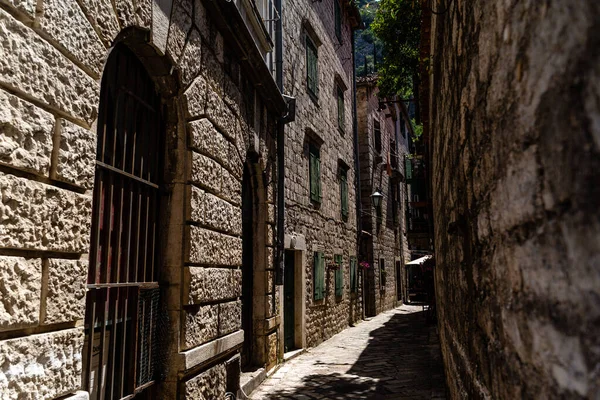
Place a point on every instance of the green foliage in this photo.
(366, 43)
(417, 129)
(398, 25)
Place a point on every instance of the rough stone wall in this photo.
(322, 225)
(53, 54)
(387, 240)
(516, 158)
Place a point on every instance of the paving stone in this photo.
(395, 355)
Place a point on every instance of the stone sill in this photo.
(199, 355)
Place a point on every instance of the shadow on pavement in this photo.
(401, 361)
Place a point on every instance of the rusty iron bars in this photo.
(123, 291)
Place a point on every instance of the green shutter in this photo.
(315, 174)
(408, 170)
(344, 192)
(339, 276)
(353, 280)
(341, 110)
(312, 71)
(319, 275)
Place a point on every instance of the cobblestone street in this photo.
(392, 356)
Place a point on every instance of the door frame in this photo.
(297, 247)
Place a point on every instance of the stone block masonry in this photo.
(215, 113)
(322, 224)
(516, 164)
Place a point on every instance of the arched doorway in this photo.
(254, 285)
(248, 266)
(123, 296)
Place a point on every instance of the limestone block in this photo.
(125, 13)
(272, 349)
(65, 23)
(206, 139)
(78, 395)
(33, 66)
(181, 22)
(25, 135)
(213, 212)
(41, 366)
(230, 317)
(143, 12)
(207, 172)
(76, 155)
(20, 288)
(201, 19)
(214, 248)
(209, 385)
(201, 325)
(211, 284)
(222, 116)
(212, 69)
(231, 188)
(37, 216)
(65, 298)
(102, 15)
(25, 6)
(188, 62)
(195, 98)
(161, 17)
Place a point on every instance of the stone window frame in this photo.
(377, 144)
(311, 41)
(314, 145)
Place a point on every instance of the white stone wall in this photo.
(53, 55)
(323, 226)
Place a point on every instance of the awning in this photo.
(419, 261)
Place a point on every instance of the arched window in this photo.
(122, 299)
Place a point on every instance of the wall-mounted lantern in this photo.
(376, 198)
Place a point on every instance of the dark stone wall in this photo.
(515, 123)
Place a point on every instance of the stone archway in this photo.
(254, 282)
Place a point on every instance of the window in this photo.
(338, 19)
(353, 275)
(339, 276)
(122, 305)
(341, 109)
(377, 135)
(344, 192)
(319, 275)
(314, 167)
(382, 273)
(402, 127)
(312, 68)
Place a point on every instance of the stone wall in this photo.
(322, 225)
(54, 53)
(386, 240)
(515, 123)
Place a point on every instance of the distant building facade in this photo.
(320, 214)
(138, 179)
(384, 134)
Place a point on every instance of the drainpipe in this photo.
(280, 148)
(357, 168)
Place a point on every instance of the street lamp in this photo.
(376, 198)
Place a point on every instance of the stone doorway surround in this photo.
(296, 243)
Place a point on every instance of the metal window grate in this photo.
(123, 294)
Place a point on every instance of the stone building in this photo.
(137, 172)
(514, 115)
(383, 134)
(320, 216)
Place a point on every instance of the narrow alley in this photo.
(394, 355)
